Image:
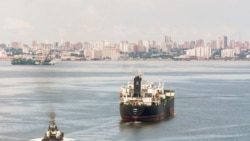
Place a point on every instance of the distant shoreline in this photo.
(9, 58)
(131, 60)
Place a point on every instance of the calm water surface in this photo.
(212, 100)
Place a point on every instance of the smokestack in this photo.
(137, 86)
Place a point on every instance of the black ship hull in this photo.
(130, 113)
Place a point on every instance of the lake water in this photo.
(212, 100)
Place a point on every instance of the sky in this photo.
(118, 20)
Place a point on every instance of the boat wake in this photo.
(64, 139)
(133, 122)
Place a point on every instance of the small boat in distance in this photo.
(144, 101)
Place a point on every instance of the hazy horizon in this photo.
(116, 20)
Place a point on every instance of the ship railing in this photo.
(147, 103)
(169, 93)
(134, 101)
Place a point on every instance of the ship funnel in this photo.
(137, 86)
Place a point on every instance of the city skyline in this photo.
(55, 20)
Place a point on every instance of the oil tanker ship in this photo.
(144, 101)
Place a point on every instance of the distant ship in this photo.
(26, 61)
(31, 61)
(144, 101)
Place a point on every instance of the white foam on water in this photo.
(38, 139)
(64, 139)
(137, 122)
(133, 122)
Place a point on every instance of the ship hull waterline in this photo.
(153, 113)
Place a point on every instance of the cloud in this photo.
(90, 13)
(122, 29)
(92, 20)
(62, 32)
(17, 26)
(87, 28)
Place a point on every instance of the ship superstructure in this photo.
(145, 101)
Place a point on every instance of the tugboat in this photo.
(53, 133)
(144, 101)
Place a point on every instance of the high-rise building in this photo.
(14, 44)
(224, 41)
(123, 46)
(168, 39)
(34, 43)
(213, 44)
(86, 46)
(232, 44)
(186, 44)
(199, 43)
(153, 44)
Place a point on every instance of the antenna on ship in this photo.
(138, 73)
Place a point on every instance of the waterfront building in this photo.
(237, 50)
(131, 47)
(165, 47)
(143, 46)
(227, 53)
(97, 54)
(88, 54)
(86, 46)
(146, 45)
(200, 52)
(124, 46)
(3, 53)
(111, 53)
(97, 45)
